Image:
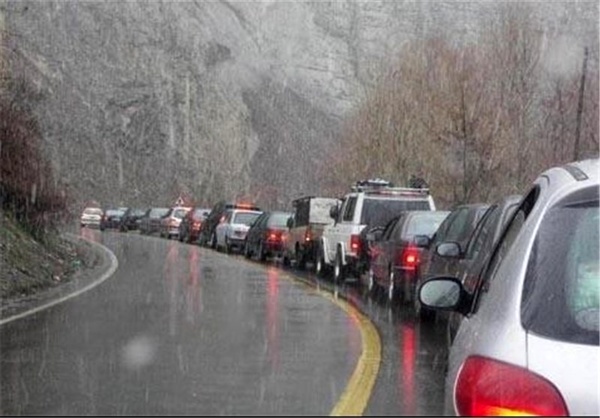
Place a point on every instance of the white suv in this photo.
(371, 204)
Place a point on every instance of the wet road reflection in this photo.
(179, 330)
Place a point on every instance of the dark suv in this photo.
(206, 235)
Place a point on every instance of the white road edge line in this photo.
(114, 265)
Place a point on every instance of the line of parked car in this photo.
(515, 281)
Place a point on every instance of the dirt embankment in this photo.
(29, 267)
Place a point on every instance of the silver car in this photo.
(529, 341)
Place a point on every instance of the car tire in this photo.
(371, 281)
(338, 268)
(262, 256)
(320, 265)
(391, 293)
(300, 259)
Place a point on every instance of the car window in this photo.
(483, 232)
(245, 218)
(179, 213)
(508, 236)
(424, 224)
(278, 219)
(561, 295)
(390, 228)
(93, 211)
(378, 212)
(348, 214)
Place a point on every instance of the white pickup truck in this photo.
(370, 204)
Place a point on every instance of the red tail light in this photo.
(488, 387)
(409, 258)
(355, 243)
(273, 235)
(308, 236)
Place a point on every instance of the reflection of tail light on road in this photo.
(272, 316)
(171, 276)
(194, 291)
(406, 380)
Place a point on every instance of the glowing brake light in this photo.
(308, 235)
(273, 235)
(486, 387)
(409, 258)
(355, 243)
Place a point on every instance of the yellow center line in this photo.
(357, 393)
(355, 397)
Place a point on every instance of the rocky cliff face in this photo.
(141, 101)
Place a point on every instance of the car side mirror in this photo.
(445, 294)
(334, 212)
(448, 250)
(422, 241)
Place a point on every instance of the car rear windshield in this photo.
(378, 212)
(179, 213)
(278, 219)
(426, 223)
(562, 286)
(114, 212)
(158, 212)
(93, 211)
(246, 218)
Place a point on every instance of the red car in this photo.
(189, 228)
(395, 251)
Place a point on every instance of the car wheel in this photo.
(338, 268)
(300, 259)
(370, 280)
(320, 265)
(391, 286)
(261, 252)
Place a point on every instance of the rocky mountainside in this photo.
(141, 101)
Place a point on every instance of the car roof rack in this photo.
(384, 187)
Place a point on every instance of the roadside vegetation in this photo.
(476, 121)
(33, 204)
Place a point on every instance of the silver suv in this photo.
(371, 204)
(529, 340)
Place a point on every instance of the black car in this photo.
(443, 259)
(189, 228)
(266, 236)
(131, 219)
(150, 223)
(477, 254)
(111, 218)
(206, 235)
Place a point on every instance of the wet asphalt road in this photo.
(183, 330)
